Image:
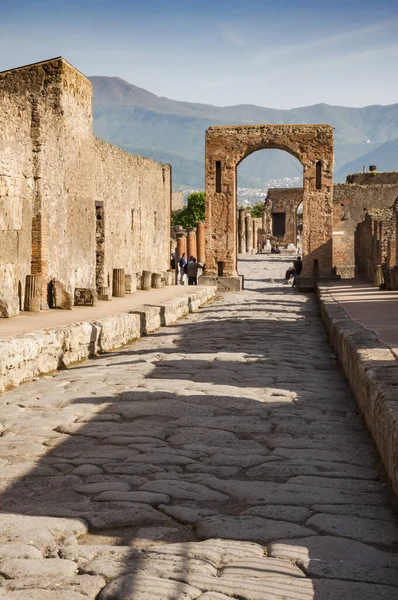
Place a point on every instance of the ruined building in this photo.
(79, 215)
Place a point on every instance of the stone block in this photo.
(9, 306)
(104, 293)
(85, 297)
(130, 284)
(223, 284)
(61, 297)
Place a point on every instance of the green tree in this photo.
(192, 213)
(256, 210)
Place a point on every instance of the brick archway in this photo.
(226, 147)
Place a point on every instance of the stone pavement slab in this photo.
(222, 457)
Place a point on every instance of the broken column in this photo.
(32, 293)
(157, 280)
(118, 283)
(249, 233)
(146, 280)
(241, 231)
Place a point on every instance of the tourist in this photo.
(193, 268)
(183, 266)
(298, 267)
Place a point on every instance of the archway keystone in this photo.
(226, 147)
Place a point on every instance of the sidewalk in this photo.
(370, 307)
(28, 322)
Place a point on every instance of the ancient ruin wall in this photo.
(16, 181)
(283, 200)
(53, 170)
(350, 203)
(136, 197)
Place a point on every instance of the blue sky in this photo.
(279, 54)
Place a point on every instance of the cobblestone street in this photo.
(221, 458)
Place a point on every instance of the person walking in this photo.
(183, 266)
(193, 268)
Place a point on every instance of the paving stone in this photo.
(185, 514)
(261, 568)
(247, 527)
(279, 470)
(87, 585)
(85, 470)
(364, 530)
(217, 552)
(182, 490)
(151, 498)
(295, 514)
(148, 588)
(347, 590)
(379, 513)
(250, 588)
(337, 483)
(106, 486)
(352, 572)
(43, 532)
(41, 594)
(296, 495)
(17, 568)
(328, 548)
(108, 515)
(19, 551)
(213, 596)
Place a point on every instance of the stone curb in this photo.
(29, 355)
(372, 370)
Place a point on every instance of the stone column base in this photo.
(223, 284)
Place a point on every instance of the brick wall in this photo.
(283, 200)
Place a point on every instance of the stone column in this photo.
(32, 293)
(255, 236)
(146, 281)
(241, 231)
(118, 283)
(157, 281)
(200, 243)
(191, 242)
(249, 233)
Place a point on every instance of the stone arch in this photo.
(228, 146)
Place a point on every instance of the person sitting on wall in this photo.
(290, 273)
(193, 268)
(298, 267)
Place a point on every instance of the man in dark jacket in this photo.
(298, 267)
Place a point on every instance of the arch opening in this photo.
(230, 145)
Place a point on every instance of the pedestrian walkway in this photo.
(372, 308)
(27, 322)
(220, 458)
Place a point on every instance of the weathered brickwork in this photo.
(53, 173)
(351, 202)
(226, 147)
(373, 178)
(282, 200)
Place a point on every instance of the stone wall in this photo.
(373, 178)
(282, 200)
(55, 177)
(350, 205)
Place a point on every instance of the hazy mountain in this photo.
(385, 157)
(173, 131)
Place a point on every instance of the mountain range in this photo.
(173, 131)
